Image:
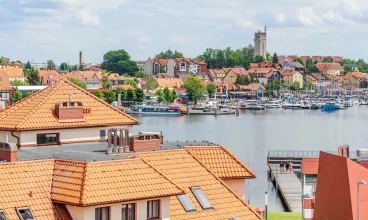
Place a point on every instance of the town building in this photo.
(216, 75)
(39, 66)
(260, 43)
(352, 66)
(50, 76)
(265, 75)
(91, 78)
(318, 76)
(140, 82)
(330, 68)
(233, 73)
(293, 66)
(140, 64)
(60, 114)
(4, 89)
(174, 66)
(291, 77)
(13, 72)
(355, 78)
(311, 80)
(338, 181)
(169, 83)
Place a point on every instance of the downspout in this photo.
(18, 138)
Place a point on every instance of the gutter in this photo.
(18, 138)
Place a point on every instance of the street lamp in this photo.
(360, 182)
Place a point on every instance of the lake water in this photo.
(251, 134)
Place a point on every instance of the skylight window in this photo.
(2, 215)
(201, 197)
(25, 213)
(186, 203)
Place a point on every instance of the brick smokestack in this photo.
(8, 152)
(80, 57)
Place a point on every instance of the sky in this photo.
(39, 30)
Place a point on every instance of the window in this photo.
(24, 213)
(201, 197)
(153, 209)
(186, 203)
(47, 139)
(102, 213)
(128, 212)
(2, 215)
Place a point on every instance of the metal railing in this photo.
(298, 153)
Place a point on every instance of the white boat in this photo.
(341, 106)
(292, 106)
(254, 106)
(306, 105)
(154, 110)
(274, 104)
(347, 103)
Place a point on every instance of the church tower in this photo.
(260, 43)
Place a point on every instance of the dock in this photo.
(289, 186)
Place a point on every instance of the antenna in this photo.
(265, 29)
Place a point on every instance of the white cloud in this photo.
(308, 17)
(280, 17)
(244, 23)
(88, 18)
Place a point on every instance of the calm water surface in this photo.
(251, 134)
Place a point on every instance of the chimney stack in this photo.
(8, 152)
(80, 57)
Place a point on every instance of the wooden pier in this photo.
(289, 186)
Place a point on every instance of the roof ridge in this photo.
(81, 197)
(98, 99)
(146, 162)
(225, 185)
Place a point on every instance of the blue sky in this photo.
(58, 29)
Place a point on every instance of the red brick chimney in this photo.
(8, 152)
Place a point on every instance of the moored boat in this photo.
(154, 110)
(330, 107)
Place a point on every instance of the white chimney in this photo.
(6, 139)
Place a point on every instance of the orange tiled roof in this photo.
(27, 184)
(82, 183)
(221, 161)
(83, 75)
(186, 171)
(36, 111)
(261, 70)
(358, 75)
(288, 73)
(170, 83)
(161, 61)
(13, 71)
(4, 81)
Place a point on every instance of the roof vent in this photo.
(69, 111)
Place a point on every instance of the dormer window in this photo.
(201, 198)
(25, 213)
(2, 215)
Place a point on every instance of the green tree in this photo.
(347, 69)
(81, 67)
(17, 96)
(34, 78)
(99, 94)
(64, 67)
(309, 65)
(139, 74)
(118, 61)
(160, 99)
(275, 59)
(242, 80)
(195, 88)
(259, 59)
(28, 94)
(169, 54)
(78, 82)
(28, 66)
(174, 94)
(252, 80)
(167, 94)
(122, 92)
(314, 69)
(151, 82)
(131, 95)
(132, 83)
(4, 61)
(162, 69)
(328, 59)
(139, 95)
(211, 89)
(18, 83)
(110, 96)
(299, 60)
(268, 56)
(274, 85)
(295, 86)
(50, 65)
(105, 81)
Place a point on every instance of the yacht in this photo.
(254, 106)
(328, 107)
(306, 105)
(273, 104)
(154, 110)
(293, 105)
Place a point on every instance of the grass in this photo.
(284, 215)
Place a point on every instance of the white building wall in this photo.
(148, 67)
(238, 186)
(263, 80)
(11, 139)
(93, 86)
(88, 213)
(170, 67)
(67, 135)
